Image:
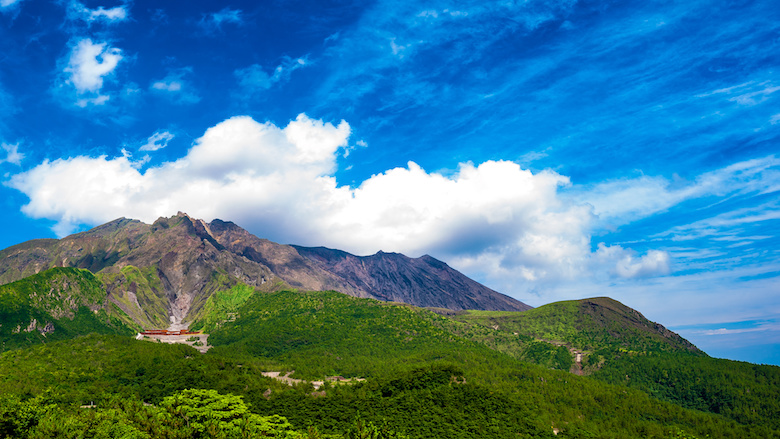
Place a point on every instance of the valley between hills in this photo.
(380, 346)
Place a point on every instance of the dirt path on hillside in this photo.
(285, 378)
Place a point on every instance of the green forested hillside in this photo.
(56, 304)
(598, 325)
(321, 334)
(425, 376)
(619, 346)
(748, 393)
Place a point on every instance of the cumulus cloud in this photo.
(78, 11)
(12, 154)
(176, 88)
(278, 182)
(626, 264)
(89, 64)
(158, 140)
(512, 228)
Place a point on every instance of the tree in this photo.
(209, 414)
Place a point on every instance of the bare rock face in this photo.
(161, 274)
(32, 326)
(48, 329)
(423, 281)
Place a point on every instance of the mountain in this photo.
(424, 281)
(163, 273)
(426, 373)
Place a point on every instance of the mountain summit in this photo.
(162, 274)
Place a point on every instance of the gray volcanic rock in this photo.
(158, 274)
(423, 281)
(163, 273)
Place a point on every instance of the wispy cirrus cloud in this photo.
(9, 4)
(254, 80)
(157, 141)
(176, 87)
(78, 11)
(214, 22)
(12, 154)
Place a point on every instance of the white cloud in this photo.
(70, 189)
(8, 3)
(627, 265)
(78, 11)
(13, 156)
(278, 182)
(747, 94)
(214, 21)
(158, 140)
(254, 79)
(97, 100)
(176, 87)
(516, 230)
(725, 331)
(88, 66)
(623, 201)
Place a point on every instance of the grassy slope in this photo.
(221, 307)
(597, 324)
(70, 299)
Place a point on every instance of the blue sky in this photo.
(549, 149)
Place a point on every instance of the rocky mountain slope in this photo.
(398, 278)
(162, 274)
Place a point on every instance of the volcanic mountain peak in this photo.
(164, 272)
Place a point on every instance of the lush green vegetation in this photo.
(427, 376)
(596, 325)
(599, 329)
(619, 346)
(430, 401)
(95, 367)
(520, 346)
(221, 307)
(745, 392)
(321, 334)
(190, 414)
(56, 304)
(148, 303)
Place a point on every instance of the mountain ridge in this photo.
(174, 264)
